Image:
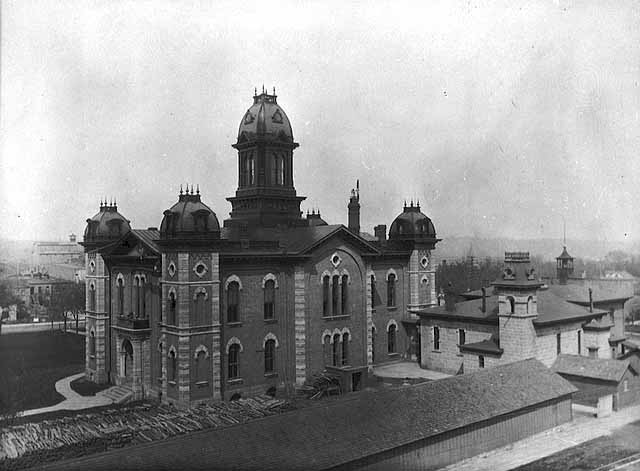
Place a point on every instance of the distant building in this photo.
(195, 311)
(64, 260)
(519, 317)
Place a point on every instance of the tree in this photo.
(67, 297)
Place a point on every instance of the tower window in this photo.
(336, 349)
(345, 349)
(325, 296)
(233, 358)
(171, 374)
(120, 293)
(334, 294)
(201, 366)
(558, 343)
(269, 356)
(373, 292)
(461, 336)
(269, 299)
(436, 338)
(92, 344)
(326, 349)
(391, 290)
(172, 309)
(233, 301)
(200, 307)
(92, 297)
(345, 294)
(391, 339)
(512, 305)
(480, 361)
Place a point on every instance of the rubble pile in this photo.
(86, 433)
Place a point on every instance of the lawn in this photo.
(32, 363)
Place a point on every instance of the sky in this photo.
(504, 119)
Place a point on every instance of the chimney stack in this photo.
(590, 300)
(354, 209)
(380, 232)
(484, 299)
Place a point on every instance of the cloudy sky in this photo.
(502, 118)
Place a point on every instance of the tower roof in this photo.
(564, 255)
(189, 217)
(412, 224)
(107, 224)
(265, 119)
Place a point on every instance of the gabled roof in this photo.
(147, 237)
(485, 346)
(586, 367)
(602, 291)
(350, 429)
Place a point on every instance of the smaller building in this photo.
(596, 378)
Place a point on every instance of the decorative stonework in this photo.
(336, 260)
(300, 326)
(171, 271)
(200, 269)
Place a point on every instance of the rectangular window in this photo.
(480, 361)
(461, 336)
(558, 343)
(579, 342)
(436, 338)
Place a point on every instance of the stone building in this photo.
(520, 317)
(196, 310)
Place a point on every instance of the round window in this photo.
(172, 269)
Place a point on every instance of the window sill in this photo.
(392, 308)
(234, 381)
(271, 321)
(92, 357)
(234, 324)
(171, 383)
(271, 375)
(459, 355)
(436, 351)
(394, 354)
(333, 318)
(202, 384)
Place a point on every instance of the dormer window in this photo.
(201, 219)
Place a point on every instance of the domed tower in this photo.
(265, 196)
(415, 230)
(564, 266)
(189, 243)
(107, 226)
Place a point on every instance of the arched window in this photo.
(141, 297)
(512, 304)
(269, 299)
(233, 302)
(336, 349)
(120, 294)
(171, 365)
(201, 366)
(325, 296)
(269, 356)
(345, 349)
(233, 359)
(172, 309)
(199, 302)
(252, 170)
(92, 344)
(391, 290)
(326, 349)
(92, 297)
(436, 338)
(335, 287)
(530, 305)
(391, 339)
(345, 294)
(135, 295)
(373, 344)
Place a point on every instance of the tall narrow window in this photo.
(436, 338)
(580, 343)
(325, 296)
(391, 290)
(172, 309)
(345, 294)
(201, 366)
(512, 305)
(391, 339)
(200, 306)
(141, 297)
(252, 170)
(373, 292)
(462, 336)
(172, 366)
(92, 344)
(345, 349)
(269, 299)
(373, 344)
(269, 356)
(92, 298)
(233, 302)
(480, 361)
(335, 287)
(120, 294)
(279, 169)
(326, 349)
(336, 349)
(558, 343)
(232, 360)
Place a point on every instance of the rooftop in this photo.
(595, 368)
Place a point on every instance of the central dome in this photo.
(189, 217)
(412, 224)
(265, 119)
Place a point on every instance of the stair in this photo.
(118, 394)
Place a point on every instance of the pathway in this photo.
(583, 428)
(73, 400)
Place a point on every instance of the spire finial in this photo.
(180, 189)
(274, 90)
(198, 189)
(114, 201)
(255, 91)
(405, 204)
(564, 235)
(263, 88)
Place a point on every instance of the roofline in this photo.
(471, 348)
(340, 228)
(454, 316)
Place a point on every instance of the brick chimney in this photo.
(380, 232)
(354, 209)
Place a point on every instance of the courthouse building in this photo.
(198, 310)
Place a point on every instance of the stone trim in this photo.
(201, 348)
(389, 272)
(198, 291)
(270, 336)
(231, 279)
(390, 323)
(272, 277)
(234, 341)
(300, 325)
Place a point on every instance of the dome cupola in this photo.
(189, 218)
(107, 225)
(412, 224)
(265, 120)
